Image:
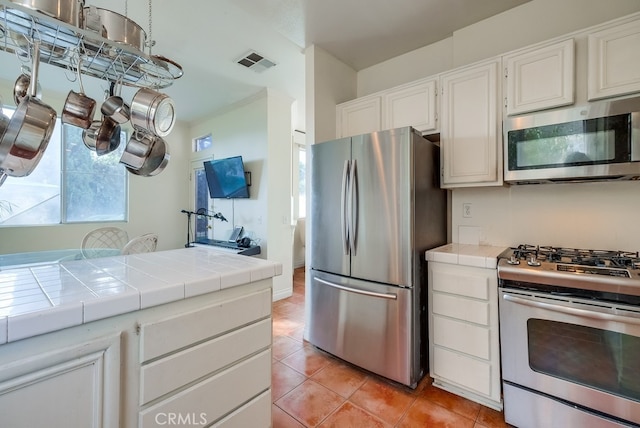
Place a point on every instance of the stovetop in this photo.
(601, 270)
(534, 255)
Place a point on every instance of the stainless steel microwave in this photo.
(598, 141)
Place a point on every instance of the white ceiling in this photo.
(207, 37)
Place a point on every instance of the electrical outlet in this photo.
(466, 210)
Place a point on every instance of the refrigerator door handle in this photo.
(390, 296)
(344, 224)
(353, 206)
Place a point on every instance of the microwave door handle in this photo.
(389, 296)
(610, 315)
(343, 209)
(353, 206)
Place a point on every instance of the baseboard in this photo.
(282, 294)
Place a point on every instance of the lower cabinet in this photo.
(75, 386)
(464, 353)
(203, 361)
(207, 363)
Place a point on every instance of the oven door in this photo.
(586, 353)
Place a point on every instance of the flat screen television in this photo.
(226, 178)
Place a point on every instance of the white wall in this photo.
(258, 129)
(328, 82)
(591, 215)
(240, 131)
(154, 202)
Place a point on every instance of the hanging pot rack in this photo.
(61, 43)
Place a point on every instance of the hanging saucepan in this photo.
(21, 86)
(115, 107)
(103, 136)
(29, 130)
(137, 149)
(156, 160)
(153, 111)
(78, 108)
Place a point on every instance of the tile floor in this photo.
(313, 389)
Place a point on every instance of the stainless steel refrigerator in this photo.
(376, 207)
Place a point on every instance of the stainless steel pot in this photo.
(115, 27)
(115, 107)
(155, 162)
(21, 86)
(69, 11)
(78, 108)
(137, 149)
(153, 111)
(103, 136)
(28, 132)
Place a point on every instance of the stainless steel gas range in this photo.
(570, 337)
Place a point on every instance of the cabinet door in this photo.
(411, 105)
(614, 61)
(471, 152)
(360, 116)
(70, 387)
(540, 79)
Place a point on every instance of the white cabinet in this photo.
(200, 361)
(470, 124)
(614, 61)
(208, 362)
(76, 386)
(464, 353)
(411, 105)
(359, 116)
(540, 78)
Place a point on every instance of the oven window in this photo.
(601, 359)
(584, 142)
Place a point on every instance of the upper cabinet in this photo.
(539, 78)
(470, 137)
(614, 61)
(413, 104)
(360, 116)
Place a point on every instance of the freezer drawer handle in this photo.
(389, 296)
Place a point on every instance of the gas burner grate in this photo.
(577, 256)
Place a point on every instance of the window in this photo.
(70, 184)
(203, 143)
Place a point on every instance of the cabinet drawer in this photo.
(461, 281)
(216, 396)
(475, 311)
(468, 338)
(255, 414)
(167, 374)
(175, 333)
(465, 371)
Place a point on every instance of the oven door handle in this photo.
(390, 296)
(627, 317)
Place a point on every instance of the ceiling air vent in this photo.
(256, 62)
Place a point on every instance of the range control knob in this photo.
(533, 261)
(513, 260)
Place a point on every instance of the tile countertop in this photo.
(48, 297)
(484, 256)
